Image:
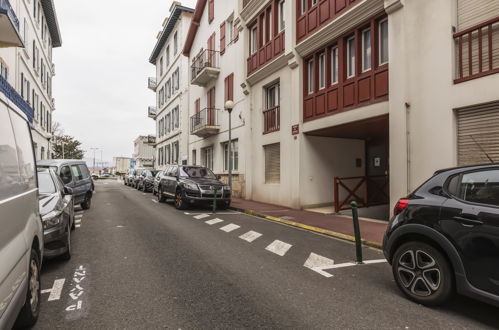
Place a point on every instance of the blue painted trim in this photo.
(6, 9)
(15, 98)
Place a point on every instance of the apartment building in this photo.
(171, 85)
(143, 151)
(30, 31)
(365, 99)
(215, 49)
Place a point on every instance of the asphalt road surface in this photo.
(139, 264)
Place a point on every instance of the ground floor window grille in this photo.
(272, 163)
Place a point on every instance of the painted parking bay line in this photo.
(278, 247)
(230, 227)
(201, 216)
(319, 263)
(250, 236)
(56, 290)
(213, 221)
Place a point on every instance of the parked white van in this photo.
(21, 231)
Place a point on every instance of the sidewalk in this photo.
(333, 225)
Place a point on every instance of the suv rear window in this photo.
(75, 169)
(480, 187)
(84, 171)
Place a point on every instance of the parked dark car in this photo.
(157, 180)
(445, 236)
(193, 184)
(75, 175)
(145, 181)
(57, 212)
(128, 176)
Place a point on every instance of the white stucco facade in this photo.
(30, 69)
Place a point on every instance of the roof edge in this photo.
(193, 29)
(52, 22)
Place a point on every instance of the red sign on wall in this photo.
(295, 129)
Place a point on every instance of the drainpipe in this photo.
(408, 144)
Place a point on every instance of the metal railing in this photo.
(271, 120)
(205, 117)
(476, 51)
(365, 190)
(206, 59)
(14, 96)
(6, 8)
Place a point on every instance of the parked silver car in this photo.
(21, 232)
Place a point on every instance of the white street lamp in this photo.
(229, 105)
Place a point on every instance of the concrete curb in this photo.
(331, 233)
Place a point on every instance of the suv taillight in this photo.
(401, 205)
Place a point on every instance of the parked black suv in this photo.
(193, 184)
(445, 237)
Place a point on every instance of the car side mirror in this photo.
(68, 191)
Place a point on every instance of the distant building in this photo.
(144, 151)
(122, 164)
(26, 42)
(171, 86)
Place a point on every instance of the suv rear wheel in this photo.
(422, 273)
(180, 204)
(87, 202)
(161, 196)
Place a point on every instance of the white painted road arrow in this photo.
(318, 263)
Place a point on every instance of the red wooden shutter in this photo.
(236, 34)
(198, 106)
(222, 38)
(211, 10)
(229, 87)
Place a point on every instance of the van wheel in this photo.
(67, 255)
(161, 196)
(180, 204)
(87, 203)
(31, 309)
(422, 273)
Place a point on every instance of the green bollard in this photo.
(215, 200)
(356, 229)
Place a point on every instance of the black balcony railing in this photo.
(204, 118)
(206, 59)
(15, 98)
(271, 120)
(6, 9)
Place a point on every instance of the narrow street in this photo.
(139, 264)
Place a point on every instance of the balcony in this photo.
(267, 53)
(477, 51)
(151, 112)
(271, 120)
(205, 67)
(152, 84)
(205, 123)
(15, 98)
(9, 26)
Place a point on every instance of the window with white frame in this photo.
(175, 44)
(322, 71)
(194, 154)
(366, 50)
(314, 2)
(383, 41)
(303, 6)
(207, 157)
(161, 67)
(254, 40)
(282, 17)
(167, 56)
(235, 155)
(350, 57)
(334, 65)
(272, 96)
(229, 29)
(310, 76)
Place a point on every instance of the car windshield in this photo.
(45, 183)
(196, 172)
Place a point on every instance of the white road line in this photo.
(78, 216)
(318, 264)
(213, 221)
(230, 227)
(250, 236)
(55, 292)
(201, 216)
(77, 226)
(154, 201)
(79, 212)
(186, 213)
(278, 247)
(377, 261)
(77, 220)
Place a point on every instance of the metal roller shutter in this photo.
(272, 163)
(473, 12)
(478, 134)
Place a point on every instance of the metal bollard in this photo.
(356, 229)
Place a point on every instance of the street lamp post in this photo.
(229, 105)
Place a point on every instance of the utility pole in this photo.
(94, 150)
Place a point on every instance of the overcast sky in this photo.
(100, 85)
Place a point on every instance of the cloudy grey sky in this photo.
(100, 85)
